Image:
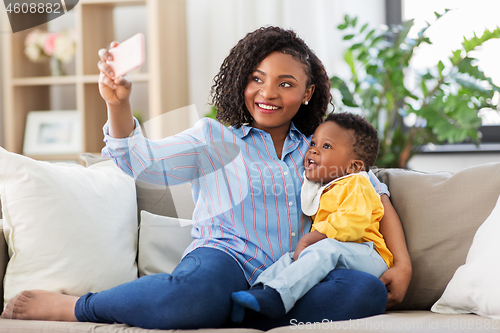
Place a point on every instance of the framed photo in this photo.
(53, 133)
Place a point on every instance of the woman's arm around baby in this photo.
(397, 278)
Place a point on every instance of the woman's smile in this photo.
(267, 107)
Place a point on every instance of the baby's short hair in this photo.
(365, 139)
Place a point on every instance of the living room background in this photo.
(214, 26)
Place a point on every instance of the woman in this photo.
(246, 182)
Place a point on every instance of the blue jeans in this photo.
(198, 295)
(293, 279)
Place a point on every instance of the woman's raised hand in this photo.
(114, 90)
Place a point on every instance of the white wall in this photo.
(453, 162)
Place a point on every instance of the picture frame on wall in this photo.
(53, 133)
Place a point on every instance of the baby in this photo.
(345, 210)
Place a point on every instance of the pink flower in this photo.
(50, 43)
(32, 37)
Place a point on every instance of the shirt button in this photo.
(290, 203)
(285, 173)
(293, 234)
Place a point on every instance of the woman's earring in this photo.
(306, 102)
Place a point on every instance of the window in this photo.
(467, 18)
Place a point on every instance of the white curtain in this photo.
(215, 26)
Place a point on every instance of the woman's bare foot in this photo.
(41, 305)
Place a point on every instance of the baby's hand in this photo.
(298, 249)
(306, 240)
(114, 90)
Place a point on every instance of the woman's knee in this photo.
(361, 294)
(368, 291)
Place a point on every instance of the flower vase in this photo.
(56, 67)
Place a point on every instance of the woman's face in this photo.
(275, 91)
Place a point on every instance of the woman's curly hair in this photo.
(228, 90)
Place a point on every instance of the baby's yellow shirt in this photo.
(350, 211)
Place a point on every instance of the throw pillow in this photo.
(69, 229)
(162, 241)
(440, 213)
(474, 288)
(174, 201)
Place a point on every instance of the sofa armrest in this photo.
(4, 259)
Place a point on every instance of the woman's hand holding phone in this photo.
(114, 90)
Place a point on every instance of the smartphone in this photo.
(128, 55)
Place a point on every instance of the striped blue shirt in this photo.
(247, 200)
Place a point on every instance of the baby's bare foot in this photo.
(41, 305)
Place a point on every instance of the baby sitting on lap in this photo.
(346, 211)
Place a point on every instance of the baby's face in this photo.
(330, 153)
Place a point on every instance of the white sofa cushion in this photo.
(474, 288)
(69, 229)
(162, 241)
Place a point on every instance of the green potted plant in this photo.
(444, 100)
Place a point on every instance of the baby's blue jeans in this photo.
(198, 295)
(293, 279)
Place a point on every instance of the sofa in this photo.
(440, 213)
